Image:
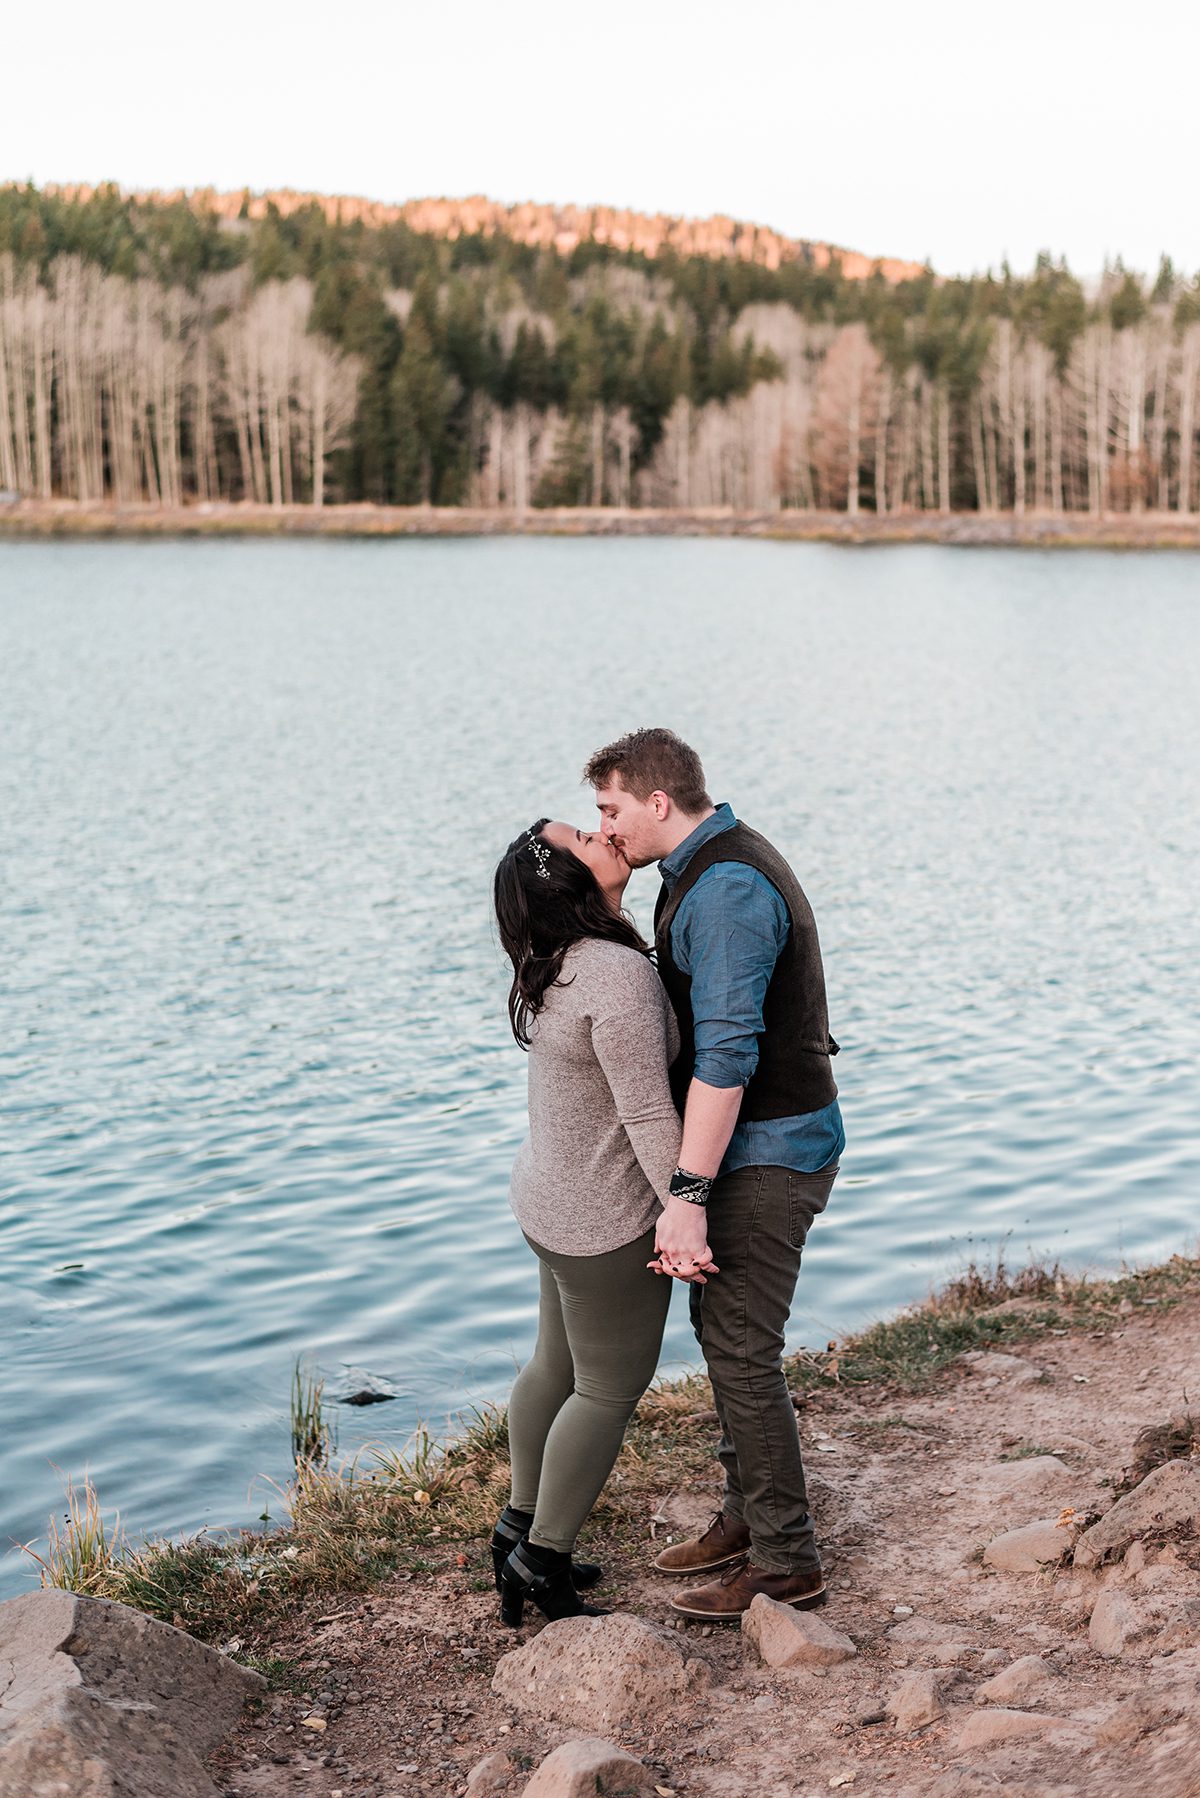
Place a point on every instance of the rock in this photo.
(1180, 1627)
(100, 1701)
(928, 1629)
(984, 1729)
(1023, 1679)
(1116, 1623)
(1142, 1712)
(951, 1654)
(599, 1670)
(1166, 1498)
(992, 1657)
(917, 1702)
(1034, 1473)
(789, 1638)
(359, 1388)
(489, 1776)
(589, 1767)
(1025, 1550)
(1009, 1368)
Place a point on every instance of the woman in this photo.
(586, 1189)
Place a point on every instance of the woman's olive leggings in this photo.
(600, 1326)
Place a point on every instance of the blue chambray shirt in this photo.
(727, 935)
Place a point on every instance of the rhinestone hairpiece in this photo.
(542, 853)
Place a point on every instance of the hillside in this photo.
(561, 228)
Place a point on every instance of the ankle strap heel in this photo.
(544, 1577)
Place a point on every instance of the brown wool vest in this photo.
(793, 1075)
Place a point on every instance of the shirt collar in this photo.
(672, 866)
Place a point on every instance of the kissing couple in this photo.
(683, 1125)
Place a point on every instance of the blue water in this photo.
(257, 1097)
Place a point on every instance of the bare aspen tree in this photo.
(328, 398)
(1189, 380)
(845, 415)
(883, 419)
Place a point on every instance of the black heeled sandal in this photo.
(542, 1575)
(513, 1527)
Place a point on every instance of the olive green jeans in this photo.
(600, 1328)
(758, 1221)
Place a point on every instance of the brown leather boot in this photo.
(725, 1540)
(725, 1599)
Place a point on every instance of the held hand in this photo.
(681, 1243)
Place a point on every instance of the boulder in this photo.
(1024, 1679)
(589, 1767)
(599, 1670)
(1116, 1623)
(1166, 1498)
(1037, 1545)
(789, 1638)
(917, 1702)
(984, 1729)
(100, 1701)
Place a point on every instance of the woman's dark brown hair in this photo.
(547, 899)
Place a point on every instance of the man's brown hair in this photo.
(652, 761)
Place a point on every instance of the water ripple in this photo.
(256, 1095)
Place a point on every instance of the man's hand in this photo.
(681, 1243)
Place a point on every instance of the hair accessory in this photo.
(542, 853)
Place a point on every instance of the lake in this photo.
(257, 1094)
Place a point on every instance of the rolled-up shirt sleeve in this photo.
(727, 935)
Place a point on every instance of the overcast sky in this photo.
(933, 128)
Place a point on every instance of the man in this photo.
(762, 1132)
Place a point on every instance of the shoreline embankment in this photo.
(1007, 1486)
(38, 519)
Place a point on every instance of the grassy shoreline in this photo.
(51, 519)
(353, 1525)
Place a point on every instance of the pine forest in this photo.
(168, 350)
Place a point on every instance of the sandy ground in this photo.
(70, 518)
(907, 1495)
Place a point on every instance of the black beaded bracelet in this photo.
(692, 1188)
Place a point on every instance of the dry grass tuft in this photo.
(1178, 1439)
(81, 1549)
(979, 1288)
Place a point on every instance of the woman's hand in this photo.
(681, 1243)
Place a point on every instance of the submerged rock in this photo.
(360, 1388)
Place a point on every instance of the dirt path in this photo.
(908, 1493)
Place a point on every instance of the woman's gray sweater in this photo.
(604, 1134)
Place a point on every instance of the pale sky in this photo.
(933, 128)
